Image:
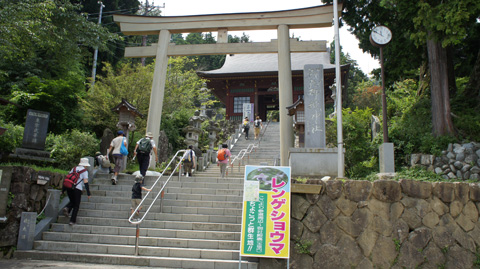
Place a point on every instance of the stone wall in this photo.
(28, 196)
(461, 161)
(385, 224)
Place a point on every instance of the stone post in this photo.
(52, 208)
(26, 234)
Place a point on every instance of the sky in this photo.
(191, 7)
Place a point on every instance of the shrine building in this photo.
(253, 78)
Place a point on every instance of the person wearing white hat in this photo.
(143, 150)
(75, 195)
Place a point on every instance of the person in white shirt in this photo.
(115, 145)
(75, 195)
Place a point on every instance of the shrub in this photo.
(68, 148)
(360, 149)
(12, 138)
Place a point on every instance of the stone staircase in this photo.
(199, 226)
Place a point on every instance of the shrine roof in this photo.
(268, 63)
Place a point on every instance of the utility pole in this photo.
(145, 12)
(95, 54)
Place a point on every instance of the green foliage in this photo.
(44, 38)
(128, 81)
(68, 148)
(303, 247)
(12, 138)
(10, 199)
(358, 143)
(368, 95)
(417, 173)
(59, 97)
(410, 127)
(172, 125)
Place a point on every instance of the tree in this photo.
(134, 82)
(424, 31)
(44, 38)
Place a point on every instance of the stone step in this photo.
(174, 184)
(168, 208)
(142, 260)
(171, 190)
(99, 197)
(160, 224)
(162, 216)
(67, 242)
(131, 231)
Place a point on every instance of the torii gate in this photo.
(282, 21)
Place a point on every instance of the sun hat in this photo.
(138, 178)
(149, 134)
(84, 162)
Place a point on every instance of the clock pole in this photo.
(380, 37)
(384, 99)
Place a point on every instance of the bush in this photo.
(68, 148)
(360, 149)
(12, 138)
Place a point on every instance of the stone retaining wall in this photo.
(461, 161)
(28, 196)
(385, 224)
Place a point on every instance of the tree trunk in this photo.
(439, 87)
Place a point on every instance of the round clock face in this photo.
(381, 35)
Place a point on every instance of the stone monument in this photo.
(34, 136)
(314, 160)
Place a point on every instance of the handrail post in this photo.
(161, 201)
(137, 235)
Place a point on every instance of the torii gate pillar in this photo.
(158, 87)
(284, 93)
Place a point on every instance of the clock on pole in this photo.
(380, 37)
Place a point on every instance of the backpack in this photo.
(246, 125)
(70, 182)
(257, 123)
(144, 146)
(222, 154)
(186, 158)
(104, 162)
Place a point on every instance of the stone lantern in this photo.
(194, 130)
(213, 131)
(297, 110)
(126, 119)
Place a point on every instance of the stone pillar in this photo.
(52, 208)
(158, 87)
(386, 158)
(26, 234)
(314, 106)
(284, 93)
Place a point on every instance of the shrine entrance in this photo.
(282, 21)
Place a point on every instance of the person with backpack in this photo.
(116, 145)
(223, 159)
(246, 127)
(142, 151)
(79, 180)
(257, 126)
(189, 161)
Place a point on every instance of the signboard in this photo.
(248, 111)
(266, 212)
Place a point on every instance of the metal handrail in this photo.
(241, 155)
(160, 193)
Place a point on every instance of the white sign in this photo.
(248, 111)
